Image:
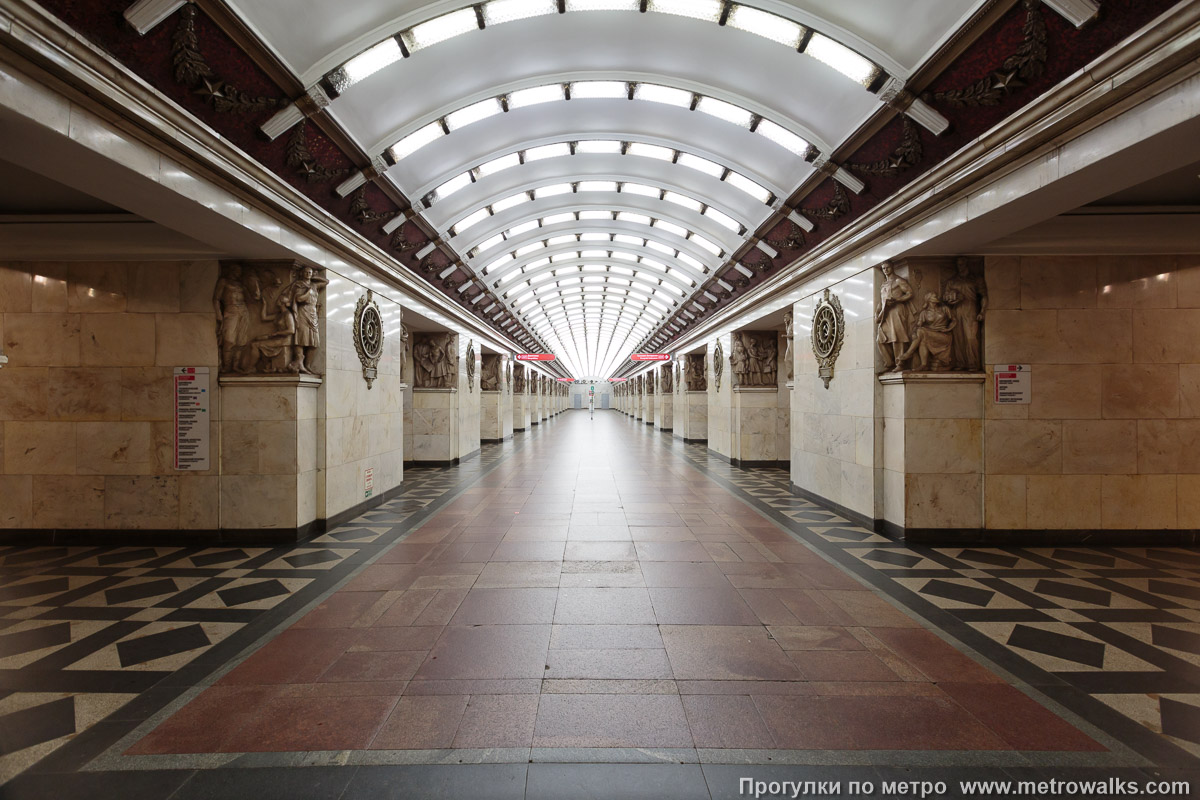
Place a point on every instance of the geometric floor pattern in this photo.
(85, 630)
(105, 651)
(1117, 625)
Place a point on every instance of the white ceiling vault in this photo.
(594, 162)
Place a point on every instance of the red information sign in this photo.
(650, 357)
(535, 357)
(617, 380)
(566, 380)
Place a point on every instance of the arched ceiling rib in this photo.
(619, 93)
(499, 256)
(595, 163)
(654, 124)
(594, 157)
(629, 256)
(902, 33)
(708, 240)
(704, 210)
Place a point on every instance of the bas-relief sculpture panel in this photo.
(490, 372)
(435, 360)
(269, 318)
(754, 359)
(789, 336)
(694, 373)
(930, 315)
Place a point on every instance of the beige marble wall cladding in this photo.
(86, 400)
(783, 404)
(269, 456)
(1112, 435)
(364, 428)
(931, 451)
(833, 431)
(754, 418)
(506, 403)
(491, 416)
(435, 425)
(470, 397)
(720, 399)
(664, 414)
(521, 408)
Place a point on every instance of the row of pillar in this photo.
(489, 399)
(732, 396)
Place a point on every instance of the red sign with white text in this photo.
(535, 357)
(617, 380)
(566, 380)
(650, 357)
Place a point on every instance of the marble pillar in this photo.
(664, 415)
(932, 451)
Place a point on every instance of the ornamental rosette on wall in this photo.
(718, 365)
(828, 334)
(368, 336)
(470, 366)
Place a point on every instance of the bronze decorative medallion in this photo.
(368, 336)
(828, 333)
(718, 365)
(470, 366)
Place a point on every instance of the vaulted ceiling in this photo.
(594, 163)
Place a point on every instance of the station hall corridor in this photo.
(591, 610)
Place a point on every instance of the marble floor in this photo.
(592, 609)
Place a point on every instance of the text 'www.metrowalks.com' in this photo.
(1110, 787)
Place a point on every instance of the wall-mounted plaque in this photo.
(828, 333)
(368, 336)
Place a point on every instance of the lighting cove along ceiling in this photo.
(595, 162)
(597, 177)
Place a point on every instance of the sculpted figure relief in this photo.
(967, 297)
(233, 318)
(285, 336)
(301, 299)
(754, 358)
(946, 331)
(933, 336)
(693, 372)
(667, 385)
(489, 374)
(518, 379)
(435, 360)
(789, 334)
(406, 349)
(893, 321)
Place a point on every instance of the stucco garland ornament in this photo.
(718, 365)
(828, 333)
(368, 336)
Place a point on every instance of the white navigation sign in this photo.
(1014, 384)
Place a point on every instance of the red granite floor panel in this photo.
(600, 593)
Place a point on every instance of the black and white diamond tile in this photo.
(1121, 625)
(84, 629)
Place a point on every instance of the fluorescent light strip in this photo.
(609, 147)
(585, 90)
